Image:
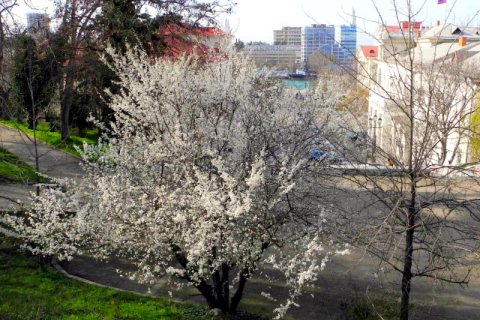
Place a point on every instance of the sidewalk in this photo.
(52, 161)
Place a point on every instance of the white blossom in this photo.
(198, 168)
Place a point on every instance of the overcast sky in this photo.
(255, 20)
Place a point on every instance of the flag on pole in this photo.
(442, 1)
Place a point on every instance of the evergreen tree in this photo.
(35, 76)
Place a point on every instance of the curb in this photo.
(56, 266)
(65, 273)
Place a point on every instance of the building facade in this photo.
(346, 36)
(317, 37)
(38, 22)
(366, 66)
(288, 36)
(336, 42)
(285, 56)
(445, 82)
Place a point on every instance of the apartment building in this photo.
(288, 36)
(274, 55)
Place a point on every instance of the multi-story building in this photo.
(337, 42)
(392, 40)
(288, 36)
(367, 68)
(442, 63)
(346, 36)
(317, 37)
(38, 22)
(285, 56)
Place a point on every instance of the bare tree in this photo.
(419, 212)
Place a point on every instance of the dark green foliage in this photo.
(122, 24)
(35, 76)
(239, 45)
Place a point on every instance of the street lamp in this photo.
(375, 123)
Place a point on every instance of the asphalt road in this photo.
(53, 162)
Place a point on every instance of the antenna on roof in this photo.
(354, 18)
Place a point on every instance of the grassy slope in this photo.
(14, 170)
(26, 292)
(45, 134)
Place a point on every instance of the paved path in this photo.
(343, 279)
(52, 161)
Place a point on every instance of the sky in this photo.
(255, 20)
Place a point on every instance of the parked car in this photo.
(359, 139)
(327, 156)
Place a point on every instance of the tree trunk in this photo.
(410, 221)
(239, 293)
(70, 73)
(218, 294)
(31, 120)
(44, 262)
(443, 151)
(207, 291)
(2, 42)
(226, 285)
(65, 103)
(408, 256)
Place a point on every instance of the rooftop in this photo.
(268, 47)
(404, 26)
(451, 31)
(370, 51)
(443, 51)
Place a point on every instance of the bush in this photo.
(379, 305)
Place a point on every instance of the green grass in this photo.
(45, 134)
(14, 170)
(27, 292)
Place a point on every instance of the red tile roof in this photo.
(405, 26)
(179, 29)
(179, 45)
(370, 51)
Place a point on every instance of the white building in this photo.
(274, 55)
(288, 36)
(38, 22)
(438, 85)
(367, 67)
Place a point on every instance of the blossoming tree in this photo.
(204, 177)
